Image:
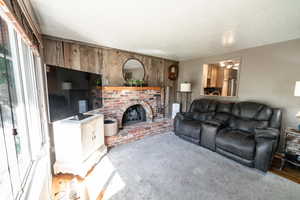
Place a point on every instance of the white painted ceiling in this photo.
(174, 29)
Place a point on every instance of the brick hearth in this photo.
(138, 131)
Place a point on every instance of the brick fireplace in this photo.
(117, 101)
(134, 114)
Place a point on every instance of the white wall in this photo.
(268, 74)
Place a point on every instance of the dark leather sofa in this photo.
(246, 132)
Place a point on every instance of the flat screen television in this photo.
(71, 92)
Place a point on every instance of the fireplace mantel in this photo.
(120, 88)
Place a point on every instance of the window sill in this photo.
(39, 180)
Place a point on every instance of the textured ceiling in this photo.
(174, 29)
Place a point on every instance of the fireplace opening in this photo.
(134, 114)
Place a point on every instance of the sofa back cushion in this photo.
(247, 125)
(250, 115)
(276, 118)
(223, 111)
(203, 105)
(245, 116)
(224, 107)
(252, 110)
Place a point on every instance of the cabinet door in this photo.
(90, 137)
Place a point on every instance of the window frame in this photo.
(28, 73)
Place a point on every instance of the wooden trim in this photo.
(100, 46)
(33, 23)
(120, 88)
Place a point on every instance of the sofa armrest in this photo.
(219, 123)
(266, 143)
(179, 118)
(214, 122)
(184, 115)
(266, 133)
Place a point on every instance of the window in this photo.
(22, 133)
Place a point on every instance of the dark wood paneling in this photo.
(84, 57)
(157, 72)
(75, 56)
(98, 61)
(172, 85)
(53, 52)
(67, 54)
(109, 62)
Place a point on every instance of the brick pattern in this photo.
(138, 131)
(116, 102)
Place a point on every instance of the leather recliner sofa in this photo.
(247, 132)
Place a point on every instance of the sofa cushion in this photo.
(236, 142)
(247, 125)
(222, 117)
(224, 107)
(223, 112)
(203, 105)
(202, 116)
(191, 128)
(252, 110)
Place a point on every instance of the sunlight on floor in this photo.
(103, 179)
(102, 182)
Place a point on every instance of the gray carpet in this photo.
(166, 167)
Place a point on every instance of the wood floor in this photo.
(60, 182)
(60, 187)
(289, 172)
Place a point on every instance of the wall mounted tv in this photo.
(72, 92)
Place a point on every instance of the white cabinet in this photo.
(79, 145)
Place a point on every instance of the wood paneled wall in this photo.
(108, 62)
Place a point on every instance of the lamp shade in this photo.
(297, 89)
(185, 87)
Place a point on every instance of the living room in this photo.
(150, 99)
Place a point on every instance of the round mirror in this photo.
(133, 69)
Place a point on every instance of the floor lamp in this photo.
(185, 88)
